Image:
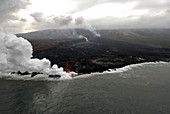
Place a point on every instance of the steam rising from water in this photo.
(16, 53)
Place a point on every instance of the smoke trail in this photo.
(16, 53)
(74, 33)
(81, 21)
(93, 30)
(83, 37)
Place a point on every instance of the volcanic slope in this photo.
(100, 53)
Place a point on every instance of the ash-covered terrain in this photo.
(85, 52)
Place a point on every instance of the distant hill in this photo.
(152, 37)
(55, 34)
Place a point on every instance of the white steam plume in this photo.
(74, 33)
(81, 21)
(16, 53)
(83, 37)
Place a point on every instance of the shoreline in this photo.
(43, 77)
(122, 69)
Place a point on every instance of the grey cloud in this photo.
(150, 20)
(168, 11)
(152, 4)
(8, 9)
(63, 20)
(12, 27)
(50, 22)
(144, 21)
(58, 20)
(85, 4)
(79, 20)
(38, 16)
(141, 4)
(23, 20)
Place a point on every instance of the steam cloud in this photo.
(75, 34)
(81, 21)
(16, 53)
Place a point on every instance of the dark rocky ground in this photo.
(114, 49)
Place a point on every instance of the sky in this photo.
(18, 16)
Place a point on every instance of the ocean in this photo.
(135, 89)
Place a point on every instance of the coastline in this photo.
(122, 69)
(42, 77)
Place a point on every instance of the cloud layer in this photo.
(8, 13)
(110, 14)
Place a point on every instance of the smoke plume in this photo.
(81, 21)
(75, 34)
(16, 53)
